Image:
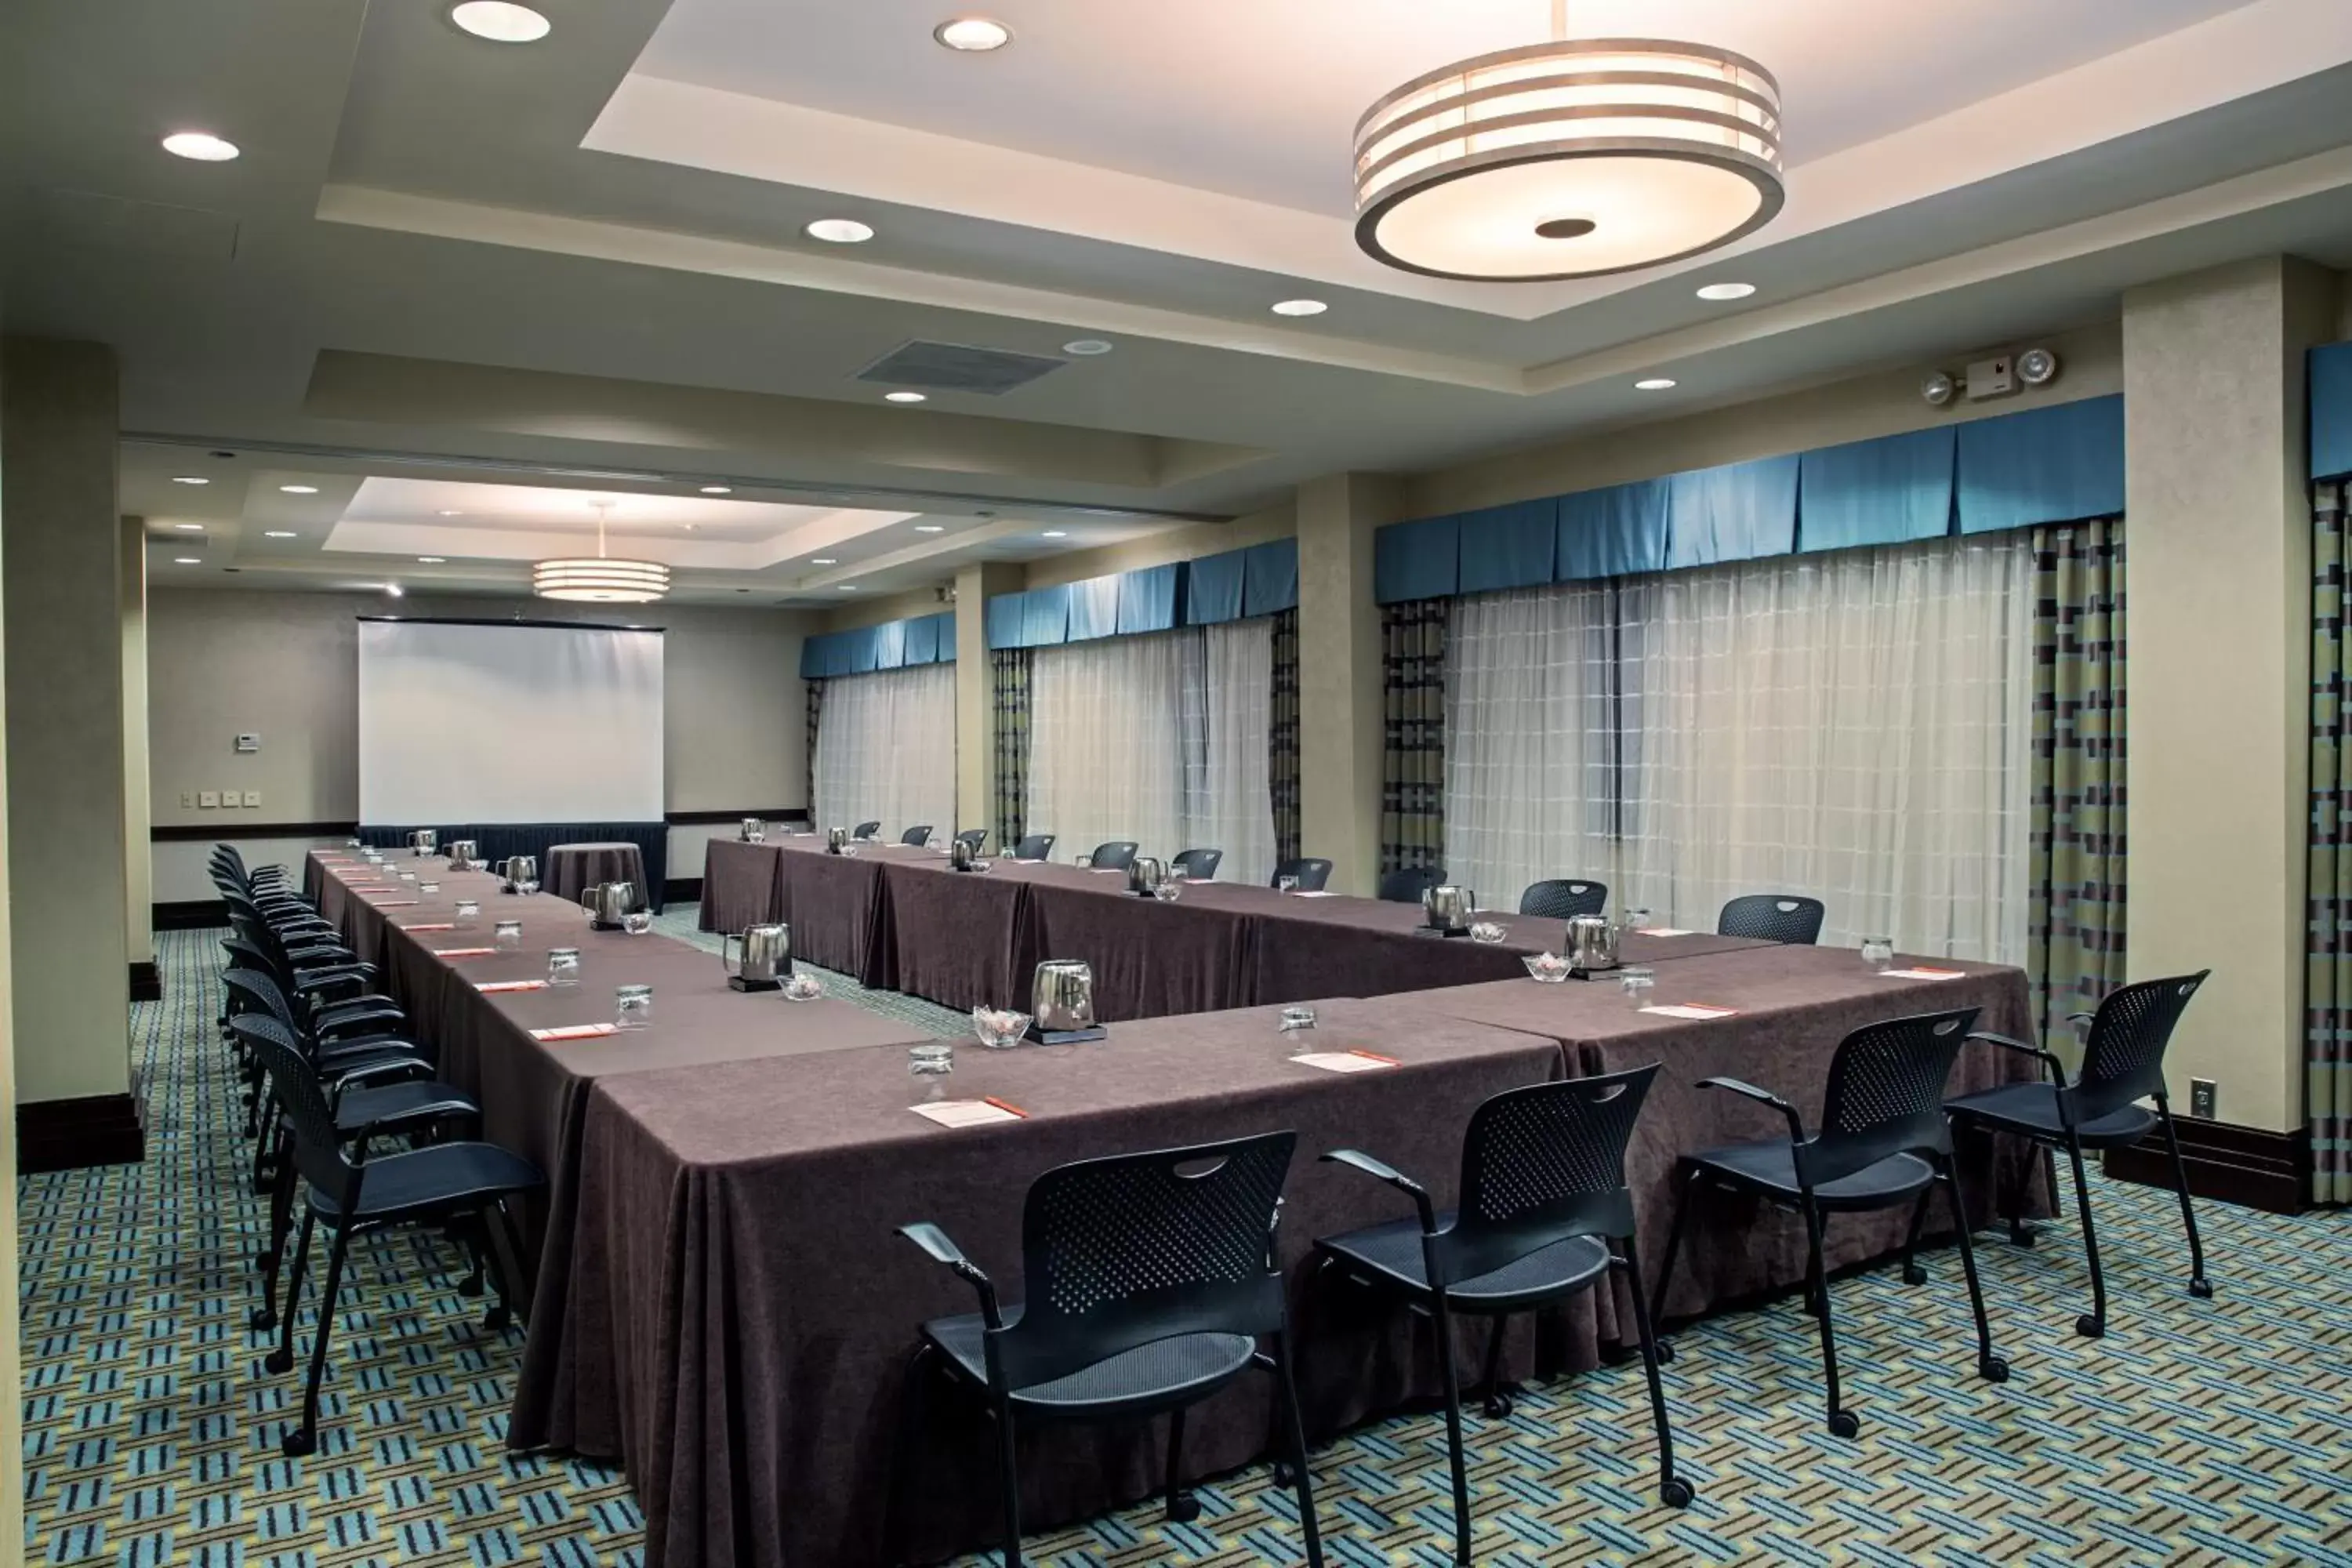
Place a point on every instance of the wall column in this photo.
(975, 692)
(138, 860)
(64, 730)
(1342, 708)
(12, 1410)
(2219, 594)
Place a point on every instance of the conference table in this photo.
(721, 1303)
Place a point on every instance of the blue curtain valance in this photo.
(2331, 410)
(2054, 465)
(1513, 546)
(1093, 609)
(1147, 598)
(1735, 513)
(1891, 491)
(1269, 577)
(893, 645)
(1417, 559)
(1613, 532)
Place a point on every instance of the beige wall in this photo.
(12, 1409)
(864, 612)
(2219, 622)
(138, 879)
(71, 1001)
(1342, 707)
(1854, 409)
(287, 665)
(975, 693)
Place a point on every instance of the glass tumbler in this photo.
(506, 935)
(931, 1059)
(1638, 980)
(633, 1006)
(1286, 884)
(636, 922)
(563, 966)
(1878, 952)
(468, 911)
(428, 887)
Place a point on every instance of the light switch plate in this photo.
(187, 799)
(2204, 1098)
(207, 799)
(253, 797)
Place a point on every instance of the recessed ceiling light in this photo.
(1299, 307)
(824, 560)
(719, 490)
(905, 398)
(849, 587)
(190, 479)
(1086, 348)
(840, 231)
(300, 490)
(189, 527)
(277, 533)
(929, 527)
(1725, 290)
(974, 34)
(1655, 384)
(1056, 533)
(393, 589)
(449, 511)
(500, 21)
(187, 559)
(202, 146)
(432, 560)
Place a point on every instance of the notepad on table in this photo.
(968, 1112)
(1696, 1011)
(1920, 971)
(573, 1031)
(463, 952)
(1662, 930)
(494, 985)
(1344, 1061)
(392, 904)
(1313, 893)
(429, 925)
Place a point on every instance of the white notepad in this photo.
(575, 1032)
(1344, 1061)
(1662, 931)
(965, 1112)
(1313, 893)
(1923, 975)
(1696, 1012)
(496, 985)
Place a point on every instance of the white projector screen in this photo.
(493, 722)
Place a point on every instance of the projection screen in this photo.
(509, 722)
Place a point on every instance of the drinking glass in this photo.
(1637, 919)
(350, 843)
(408, 875)
(563, 966)
(506, 935)
(931, 1059)
(1286, 884)
(1294, 1019)
(1085, 862)
(428, 887)
(470, 910)
(1171, 888)
(636, 922)
(1637, 981)
(526, 888)
(1878, 952)
(633, 1006)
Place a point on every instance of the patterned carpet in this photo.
(2196, 1433)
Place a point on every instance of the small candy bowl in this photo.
(803, 988)
(999, 1030)
(1488, 932)
(1548, 967)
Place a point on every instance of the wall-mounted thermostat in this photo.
(248, 742)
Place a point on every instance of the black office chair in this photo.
(975, 836)
(347, 1192)
(1312, 873)
(1148, 1280)
(1406, 885)
(1562, 898)
(866, 830)
(1116, 856)
(917, 836)
(1201, 865)
(1035, 847)
(1883, 1142)
(1773, 917)
(2122, 1063)
(1543, 1194)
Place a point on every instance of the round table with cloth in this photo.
(573, 868)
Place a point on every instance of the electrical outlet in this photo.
(229, 798)
(252, 797)
(2203, 1099)
(187, 800)
(207, 799)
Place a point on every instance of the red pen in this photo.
(1376, 1056)
(1005, 1105)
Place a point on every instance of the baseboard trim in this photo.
(682, 890)
(229, 832)
(68, 1135)
(765, 813)
(146, 982)
(194, 914)
(2249, 1166)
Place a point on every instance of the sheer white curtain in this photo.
(886, 749)
(1851, 725)
(1160, 738)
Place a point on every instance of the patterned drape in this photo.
(815, 710)
(1282, 737)
(1009, 673)
(1413, 785)
(2327, 995)
(2075, 877)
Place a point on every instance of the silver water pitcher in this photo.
(1062, 996)
(764, 960)
(962, 853)
(519, 870)
(755, 830)
(606, 903)
(835, 837)
(1449, 908)
(1144, 875)
(1591, 942)
(462, 854)
(423, 841)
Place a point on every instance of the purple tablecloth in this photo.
(573, 868)
(742, 885)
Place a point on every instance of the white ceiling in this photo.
(577, 265)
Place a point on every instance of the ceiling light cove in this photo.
(449, 511)
(904, 398)
(500, 21)
(202, 146)
(300, 490)
(1655, 384)
(929, 527)
(280, 533)
(1569, 159)
(432, 560)
(824, 561)
(1721, 291)
(394, 590)
(187, 561)
(189, 480)
(839, 231)
(189, 527)
(1054, 533)
(972, 34)
(1299, 307)
(719, 490)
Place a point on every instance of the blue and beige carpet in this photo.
(2196, 1433)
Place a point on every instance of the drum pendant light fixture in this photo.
(1570, 158)
(600, 579)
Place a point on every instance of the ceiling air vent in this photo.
(955, 367)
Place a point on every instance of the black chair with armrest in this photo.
(1200, 864)
(1564, 898)
(1117, 854)
(1788, 917)
(917, 837)
(975, 836)
(865, 829)
(1311, 872)
(1407, 884)
(1035, 847)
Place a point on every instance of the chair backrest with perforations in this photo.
(1199, 864)
(975, 836)
(1887, 1094)
(1541, 1164)
(1117, 854)
(1406, 885)
(255, 991)
(1773, 917)
(1123, 1251)
(1561, 898)
(294, 1086)
(2123, 1061)
(1035, 847)
(866, 830)
(917, 836)
(1312, 872)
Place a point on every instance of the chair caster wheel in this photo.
(1675, 1492)
(1665, 1352)
(496, 1318)
(471, 1285)
(2091, 1328)
(1845, 1422)
(262, 1320)
(1992, 1369)
(1183, 1508)
(1498, 1407)
(299, 1442)
(1914, 1275)
(279, 1360)
(2022, 1235)
(2202, 1288)
(1284, 1475)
